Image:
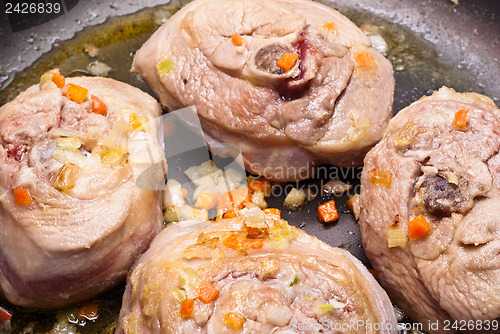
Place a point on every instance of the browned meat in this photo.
(329, 104)
(283, 281)
(431, 163)
(82, 222)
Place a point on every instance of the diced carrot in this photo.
(233, 320)
(329, 25)
(460, 119)
(380, 177)
(21, 196)
(98, 106)
(275, 214)
(231, 241)
(57, 78)
(237, 39)
(207, 292)
(89, 310)
(225, 203)
(364, 59)
(206, 201)
(235, 241)
(260, 184)
(327, 212)
(287, 61)
(241, 196)
(187, 308)
(249, 243)
(233, 200)
(418, 227)
(134, 122)
(230, 214)
(75, 93)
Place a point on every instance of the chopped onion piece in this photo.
(295, 198)
(209, 178)
(173, 195)
(379, 44)
(335, 186)
(69, 143)
(258, 198)
(98, 68)
(353, 204)
(187, 277)
(59, 132)
(179, 294)
(396, 237)
(336, 303)
(253, 216)
(46, 81)
(164, 67)
(452, 178)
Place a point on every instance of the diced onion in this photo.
(179, 294)
(173, 195)
(336, 303)
(354, 206)
(379, 43)
(396, 237)
(69, 143)
(294, 199)
(98, 68)
(452, 178)
(46, 81)
(59, 132)
(259, 199)
(254, 216)
(164, 67)
(144, 149)
(187, 277)
(335, 186)
(209, 178)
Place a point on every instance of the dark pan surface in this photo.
(432, 43)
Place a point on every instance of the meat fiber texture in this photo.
(88, 221)
(291, 282)
(450, 175)
(331, 107)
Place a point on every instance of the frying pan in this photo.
(431, 43)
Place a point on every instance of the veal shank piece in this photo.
(292, 83)
(72, 218)
(430, 201)
(252, 274)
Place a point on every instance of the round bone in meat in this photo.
(439, 159)
(292, 83)
(72, 218)
(201, 277)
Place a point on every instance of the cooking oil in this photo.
(116, 40)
